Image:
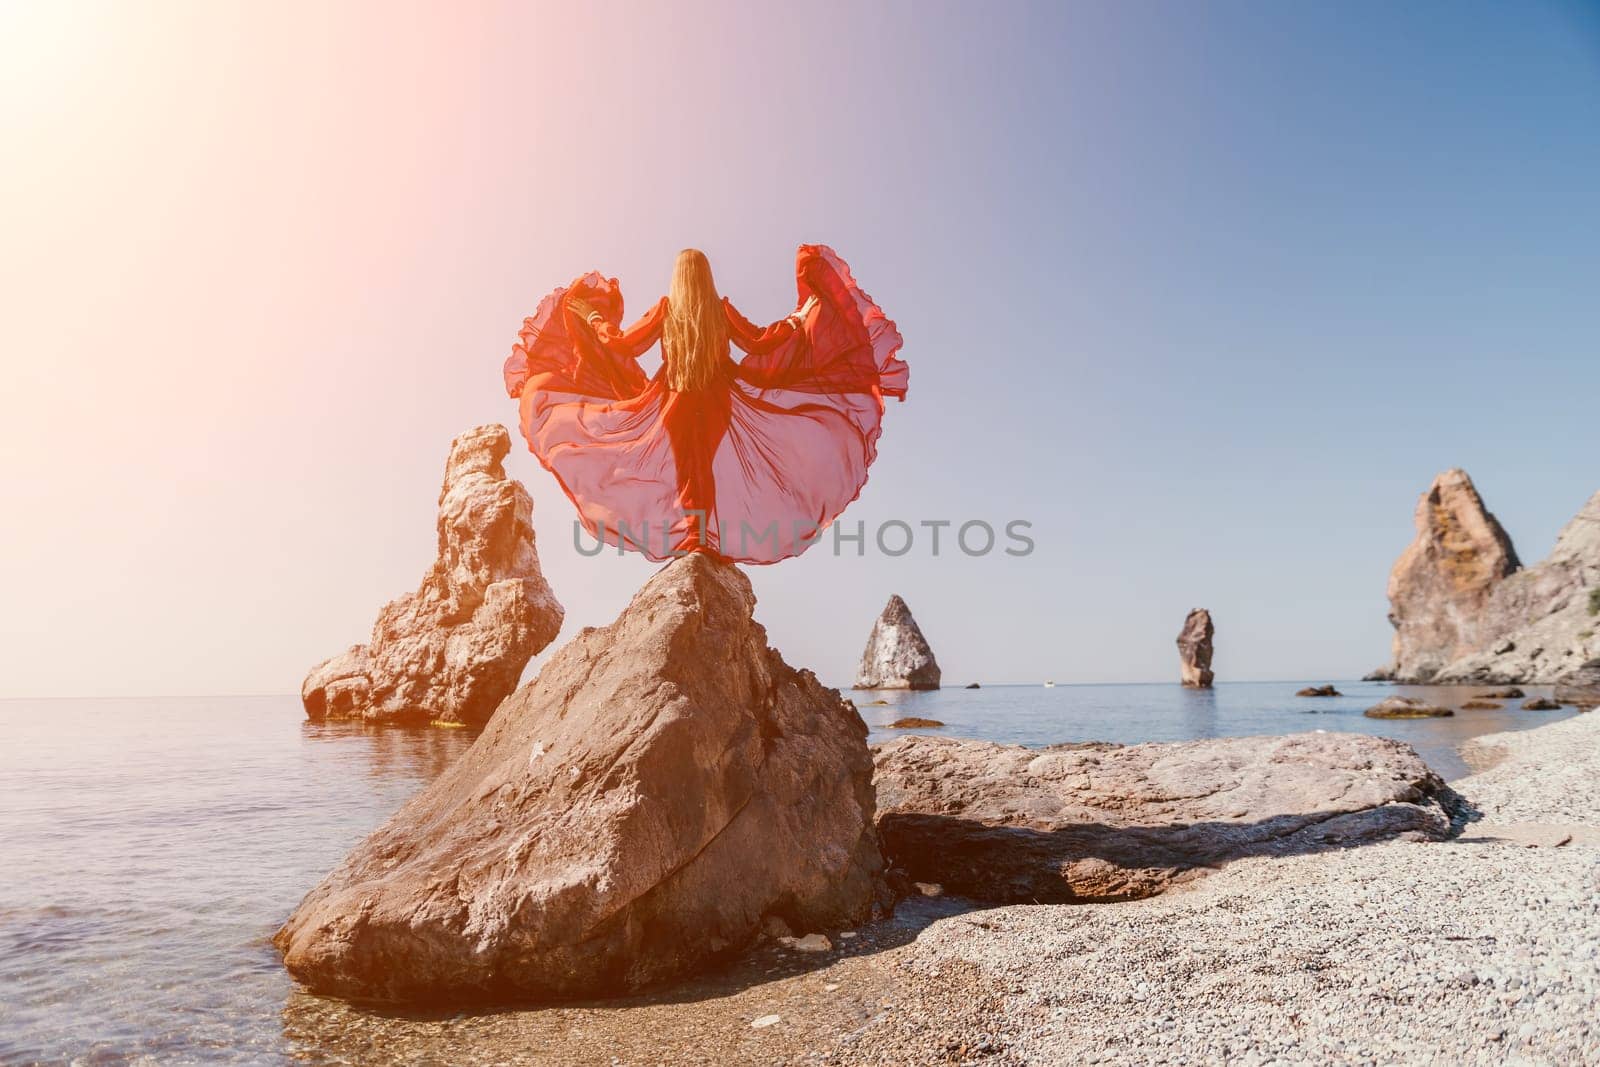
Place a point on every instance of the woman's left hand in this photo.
(582, 308)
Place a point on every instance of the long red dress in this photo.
(755, 466)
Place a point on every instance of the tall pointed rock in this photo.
(1195, 649)
(452, 650)
(1442, 583)
(897, 656)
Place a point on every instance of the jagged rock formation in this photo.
(452, 650)
(1195, 649)
(1465, 612)
(662, 789)
(1098, 822)
(1441, 583)
(897, 656)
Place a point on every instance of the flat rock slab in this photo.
(1101, 822)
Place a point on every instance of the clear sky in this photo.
(1208, 292)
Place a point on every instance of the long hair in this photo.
(694, 339)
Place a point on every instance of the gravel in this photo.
(1477, 950)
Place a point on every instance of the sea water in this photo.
(149, 848)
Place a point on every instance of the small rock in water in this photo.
(914, 723)
(1482, 705)
(930, 889)
(1319, 691)
(808, 943)
(1541, 704)
(1405, 708)
(765, 1021)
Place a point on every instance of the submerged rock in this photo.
(1100, 822)
(1509, 692)
(1195, 649)
(1319, 691)
(897, 656)
(452, 650)
(914, 723)
(1541, 704)
(1482, 705)
(663, 788)
(1581, 688)
(1406, 708)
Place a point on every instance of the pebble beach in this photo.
(1481, 949)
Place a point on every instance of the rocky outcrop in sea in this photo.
(1195, 649)
(665, 788)
(1466, 612)
(452, 650)
(1100, 822)
(897, 656)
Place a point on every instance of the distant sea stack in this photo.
(1464, 609)
(451, 651)
(1195, 648)
(897, 656)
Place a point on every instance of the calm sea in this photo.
(149, 848)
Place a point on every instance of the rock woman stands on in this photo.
(748, 461)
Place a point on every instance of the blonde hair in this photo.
(694, 339)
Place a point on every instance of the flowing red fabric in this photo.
(752, 468)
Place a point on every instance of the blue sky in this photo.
(1208, 292)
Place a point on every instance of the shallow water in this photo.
(1034, 715)
(149, 848)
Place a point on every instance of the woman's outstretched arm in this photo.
(630, 343)
(755, 340)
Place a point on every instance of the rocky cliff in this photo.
(1464, 609)
(665, 788)
(453, 649)
(897, 656)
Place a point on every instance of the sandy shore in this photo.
(1483, 949)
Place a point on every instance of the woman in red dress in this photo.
(749, 461)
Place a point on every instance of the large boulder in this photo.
(1195, 648)
(897, 656)
(1100, 822)
(1441, 583)
(1466, 612)
(456, 647)
(664, 787)
(1580, 688)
